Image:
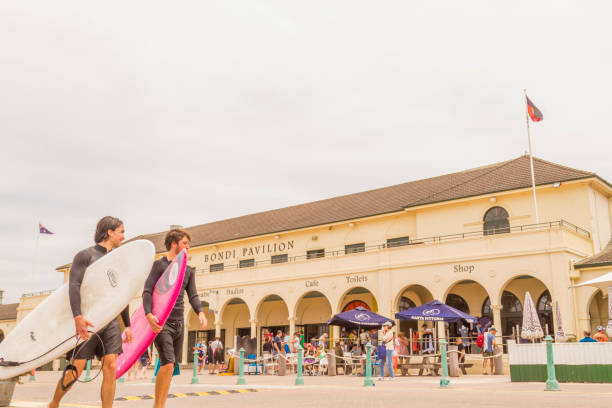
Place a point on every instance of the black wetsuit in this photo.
(111, 333)
(169, 342)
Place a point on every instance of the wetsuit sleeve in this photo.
(125, 316)
(147, 292)
(192, 292)
(75, 278)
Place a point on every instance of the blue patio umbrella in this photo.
(359, 317)
(435, 311)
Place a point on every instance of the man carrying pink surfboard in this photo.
(169, 341)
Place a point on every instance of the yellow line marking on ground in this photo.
(177, 395)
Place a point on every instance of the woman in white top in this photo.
(387, 340)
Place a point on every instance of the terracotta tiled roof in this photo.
(601, 259)
(504, 176)
(8, 312)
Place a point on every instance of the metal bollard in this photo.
(194, 379)
(551, 383)
(121, 379)
(241, 380)
(444, 381)
(156, 363)
(453, 361)
(367, 381)
(32, 375)
(88, 371)
(299, 380)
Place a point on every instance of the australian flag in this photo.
(43, 230)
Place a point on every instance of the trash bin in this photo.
(6, 391)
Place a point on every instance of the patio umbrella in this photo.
(559, 333)
(359, 317)
(435, 311)
(531, 323)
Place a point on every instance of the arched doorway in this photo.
(511, 312)
(195, 334)
(272, 315)
(513, 296)
(236, 317)
(409, 297)
(312, 312)
(598, 311)
(468, 296)
(356, 297)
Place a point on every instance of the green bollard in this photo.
(444, 381)
(299, 380)
(88, 371)
(156, 363)
(32, 377)
(194, 379)
(367, 381)
(241, 380)
(551, 383)
(122, 379)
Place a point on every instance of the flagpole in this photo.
(35, 260)
(535, 199)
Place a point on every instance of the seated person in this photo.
(587, 337)
(310, 360)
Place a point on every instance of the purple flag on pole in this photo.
(43, 230)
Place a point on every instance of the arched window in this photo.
(496, 221)
(486, 307)
(457, 302)
(545, 303)
(405, 303)
(510, 303)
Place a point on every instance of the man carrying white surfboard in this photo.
(106, 345)
(169, 341)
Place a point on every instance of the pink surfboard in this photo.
(167, 290)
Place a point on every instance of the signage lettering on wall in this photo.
(235, 291)
(356, 279)
(463, 268)
(249, 251)
(312, 283)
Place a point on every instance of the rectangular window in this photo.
(395, 242)
(216, 267)
(247, 263)
(315, 253)
(354, 248)
(280, 258)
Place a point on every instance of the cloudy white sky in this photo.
(186, 112)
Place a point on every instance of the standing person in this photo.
(218, 354)
(461, 350)
(201, 358)
(106, 345)
(489, 349)
(402, 350)
(387, 340)
(210, 358)
(364, 338)
(143, 362)
(169, 340)
(277, 343)
(464, 333)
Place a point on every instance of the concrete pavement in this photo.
(341, 391)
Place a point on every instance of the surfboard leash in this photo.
(71, 367)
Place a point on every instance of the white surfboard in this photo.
(48, 331)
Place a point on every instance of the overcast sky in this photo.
(188, 112)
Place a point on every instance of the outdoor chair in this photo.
(253, 363)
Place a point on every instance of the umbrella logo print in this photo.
(431, 312)
(362, 317)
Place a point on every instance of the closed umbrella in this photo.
(559, 333)
(531, 323)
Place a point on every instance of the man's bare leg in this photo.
(59, 392)
(162, 385)
(109, 369)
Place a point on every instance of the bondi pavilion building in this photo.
(469, 239)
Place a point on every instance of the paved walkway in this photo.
(341, 391)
